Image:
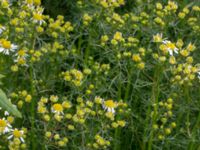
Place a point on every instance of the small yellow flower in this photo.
(118, 36)
(136, 58)
(109, 105)
(3, 123)
(57, 108)
(66, 104)
(157, 38)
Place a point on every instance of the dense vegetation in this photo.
(100, 74)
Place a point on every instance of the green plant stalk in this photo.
(192, 144)
(187, 97)
(117, 130)
(194, 131)
(33, 139)
(127, 91)
(154, 100)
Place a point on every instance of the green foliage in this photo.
(7, 105)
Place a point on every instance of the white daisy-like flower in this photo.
(57, 109)
(6, 47)
(109, 106)
(171, 47)
(21, 57)
(157, 38)
(38, 16)
(17, 134)
(5, 126)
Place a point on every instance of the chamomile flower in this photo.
(17, 134)
(57, 109)
(5, 126)
(109, 106)
(38, 16)
(157, 38)
(171, 48)
(6, 47)
(21, 57)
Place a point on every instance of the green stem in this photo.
(127, 91)
(187, 97)
(154, 100)
(33, 136)
(117, 130)
(194, 131)
(33, 141)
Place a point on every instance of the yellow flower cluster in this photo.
(87, 19)
(137, 58)
(163, 114)
(68, 118)
(117, 38)
(179, 58)
(99, 143)
(110, 3)
(21, 97)
(57, 28)
(14, 136)
(74, 76)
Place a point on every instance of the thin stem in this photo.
(154, 100)
(33, 137)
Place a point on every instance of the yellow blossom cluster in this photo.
(163, 124)
(20, 97)
(76, 118)
(74, 76)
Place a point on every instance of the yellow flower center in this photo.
(58, 107)
(37, 17)
(109, 104)
(171, 45)
(17, 133)
(6, 44)
(118, 36)
(2, 123)
(21, 52)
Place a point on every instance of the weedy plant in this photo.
(114, 75)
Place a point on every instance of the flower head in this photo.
(157, 38)
(5, 126)
(38, 16)
(17, 134)
(57, 108)
(6, 46)
(171, 47)
(109, 105)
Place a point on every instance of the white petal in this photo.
(1, 49)
(10, 137)
(170, 52)
(176, 50)
(22, 139)
(6, 113)
(165, 41)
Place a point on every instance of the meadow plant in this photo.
(116, 75)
